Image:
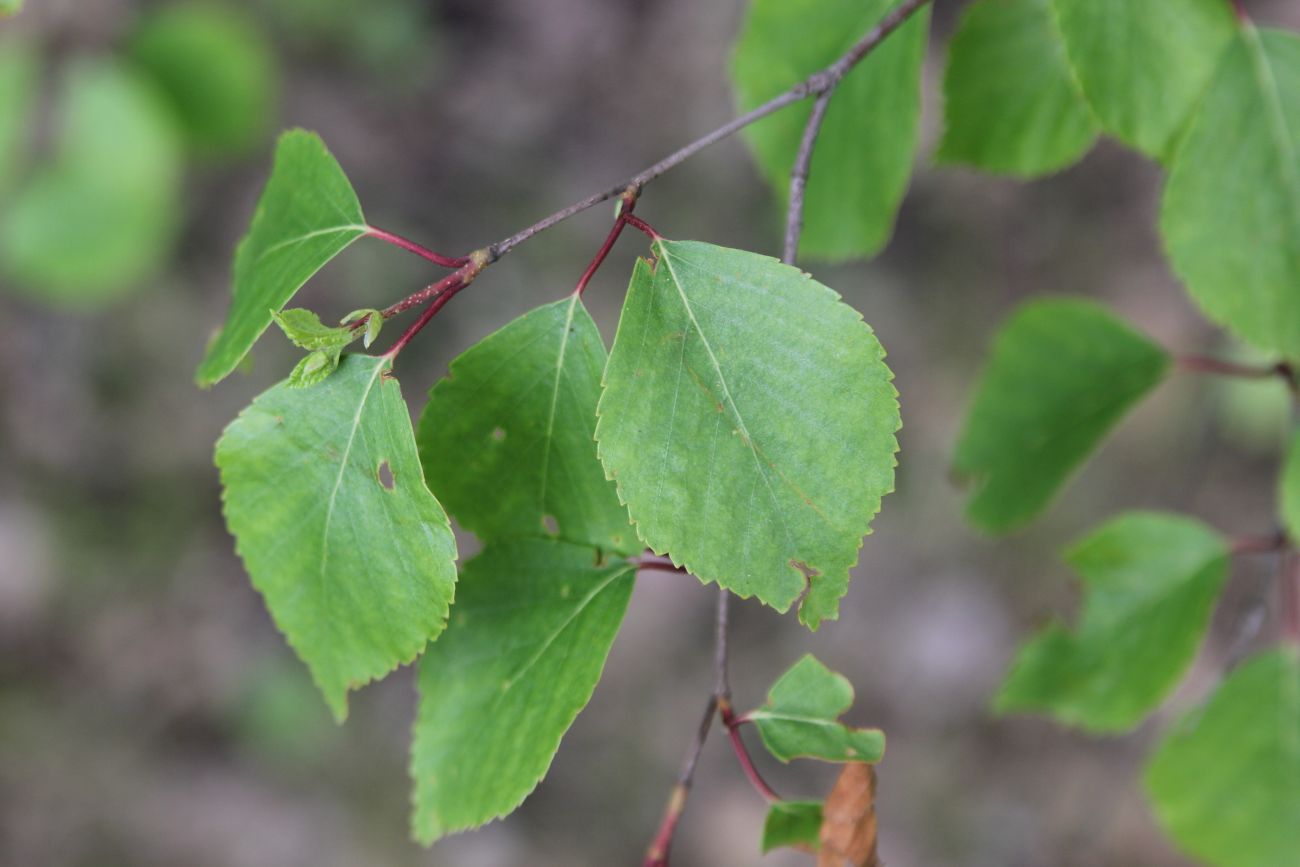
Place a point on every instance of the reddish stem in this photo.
(640, 224)
(1239, 6)
(1259, 544)
(424, 252)
(730, 720)
(457, 283)
(657, 854)
(628, 203)
(1220, 367)
(1289, 574)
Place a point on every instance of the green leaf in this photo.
(314, 368)
(217, 70)
(864, 154)
(748, 420)
(533, 623)
(20, 68)
(1143, 65)
(793, 823)
(306, 331)
(1231, 209)
(98, 218)
(1010, 100)
(515, 417)
(1151, 580)
(1061, 373)
(307, 215)
(801, 718)
(10, 7)
(1289, 489)
(327, 503)
(1225, 784)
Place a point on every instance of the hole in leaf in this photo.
(498, 434)
(551, 525)
(386, 476)
(809, 573)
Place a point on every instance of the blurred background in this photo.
(149, 712)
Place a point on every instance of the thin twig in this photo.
(657, 854)
(813, 85)
(1289, 576)
(732, 722)
(1221, 367)
(1269, 544)
(799, 176)
(417, 249)
(721, 683)
(628, 203)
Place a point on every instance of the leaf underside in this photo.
(1061, 374)
(326, 500)
(748, 419)
(1225, 784)
(1151, 581)
(792, 823)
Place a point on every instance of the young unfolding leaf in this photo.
(1225, 784)
(374, 322)
(1231, 209)
(217, 69)
(748, 419)
(1010, 100)
(792, 823)
(1144, 64)
(849, 825)
(307, 215)
(1060, 375)
(1152, 580)
(506, 438)
(327, 503)
(864, 154)
(801, 718)
(313, 368)
(306, 331)
(98, 218)
(533, 623)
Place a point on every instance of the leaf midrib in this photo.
(343, 465)
(307, 236)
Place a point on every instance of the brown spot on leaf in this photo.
(498, 434)
(550, 525)
(809, 573)
(848, 833)
(385, 475)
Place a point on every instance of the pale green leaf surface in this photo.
(10, 7)
(792, 823)
(1143, 64)
(305, 330)
(748, 420)
(1225, 784)
(864, 154)
(314, 367)
(1151, 581)
(217, 69)
(20, 66)
(801, 718)
(97, 218)
(306, 216)
(1061, 373)
(506, 437)
(1289, 489)
(1010, 100)
(533, 623)
(326, 500)
(1231, 209)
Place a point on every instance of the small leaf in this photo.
(849, 826)
(515, 417)
(748, 419)
(10, 7)
(533, 623)
(306, 331)
(216, 68)
(356, 573)
(801, 718)
(796, 824)
(1225, 784)
(1000, 117)
(98, 218)
(1289, 489)
(313, 368)
(307, 215)
(373, 326)
(867, 144)
(1143, 65)
(1152, 580)
(1234, 236)
(1061, 374)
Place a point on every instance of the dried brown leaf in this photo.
(848, 835)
